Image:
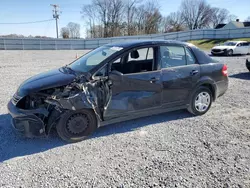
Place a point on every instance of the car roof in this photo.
(134, 43)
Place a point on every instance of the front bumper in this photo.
(248, 64)
(221, 52)
(26, 122)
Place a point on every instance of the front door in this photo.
(241, 48)
(180, 72)
(136, 84)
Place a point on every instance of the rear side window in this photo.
(172, 56)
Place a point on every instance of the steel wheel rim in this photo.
(77, 124)
(202, 101)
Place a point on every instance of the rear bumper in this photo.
(26, 122)
(222, 87)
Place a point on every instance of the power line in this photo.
(27, 22)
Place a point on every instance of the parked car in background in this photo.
(248, 64)
(232, 48)
(118, 82)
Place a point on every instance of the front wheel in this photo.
(201, 101)
(230, 52)
(75, 126)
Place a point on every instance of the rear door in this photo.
(136, 84)
(180, 72)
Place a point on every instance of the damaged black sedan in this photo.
(117, 82)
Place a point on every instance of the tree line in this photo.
(110, 18)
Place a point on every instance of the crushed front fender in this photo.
(95, 94)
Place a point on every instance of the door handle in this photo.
(194, 72)
(154, 79)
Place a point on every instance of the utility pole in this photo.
(56, 16)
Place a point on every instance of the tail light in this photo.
(224, 70)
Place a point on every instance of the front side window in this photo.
(93, 58)
(172, 56)
(135, 61)
(245, 44)
(141, 54)
(190, 58)
(101, 73)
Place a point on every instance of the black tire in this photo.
(75, 126)
(230, 52)
(192, 109)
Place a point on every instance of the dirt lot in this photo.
(168, 150)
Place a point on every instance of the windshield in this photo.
(229, 44)
(93, 58)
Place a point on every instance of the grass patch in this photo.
(209, 43)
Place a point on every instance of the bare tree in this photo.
(173, 22)
(148, 18)
(110, 14)
(231, 17)
(219, 16)
(153, 17)
(89, 14)
(130, 9)
(115, 13)
(196, 13)
(65, 32)
(74, 30)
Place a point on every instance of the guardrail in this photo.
(79, 44)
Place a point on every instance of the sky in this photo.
(13, 11)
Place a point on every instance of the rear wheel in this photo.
(201, 101)
(75, 126)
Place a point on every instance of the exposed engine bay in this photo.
(49, 104)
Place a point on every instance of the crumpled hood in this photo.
(223, 47)
(45, 80)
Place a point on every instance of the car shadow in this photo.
(13, 145)
(243, 76)
(132, 125)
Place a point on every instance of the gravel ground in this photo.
(168, 150)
